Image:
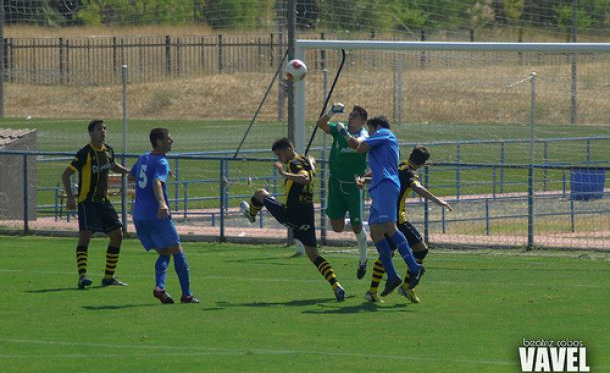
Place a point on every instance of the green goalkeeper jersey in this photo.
(345, 162)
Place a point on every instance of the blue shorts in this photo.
(385, 198)
(157, 234)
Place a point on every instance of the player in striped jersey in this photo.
(95, 211)
(298, 211)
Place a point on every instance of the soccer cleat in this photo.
(361, 270)
(339, 293)
(83, 282)
(112, 282)
(244, 207)
(390, 285)
(188, 299)
(163, 296)
(372, 297)
(409, 294)
(414, 279)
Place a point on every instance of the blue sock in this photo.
(182, 270)
(385, 254)
(405, 251)
(161, 270)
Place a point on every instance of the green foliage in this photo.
(237, 13)
(564, 18)
(513, 9)
(136, 11)
(320, 15)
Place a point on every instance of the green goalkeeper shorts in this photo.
(344, 197)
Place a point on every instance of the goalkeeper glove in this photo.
(336, 109)
(343, 131)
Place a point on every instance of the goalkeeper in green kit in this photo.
(345, 164)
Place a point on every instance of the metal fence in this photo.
(545, 207)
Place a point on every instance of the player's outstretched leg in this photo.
(327, 271)
(250, 210)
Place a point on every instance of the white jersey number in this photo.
(142, 178)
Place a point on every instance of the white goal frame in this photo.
(302, 45)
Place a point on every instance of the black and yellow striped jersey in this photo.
(93, 165)
(299, 193)
(407, 175)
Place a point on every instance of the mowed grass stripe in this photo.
(264, 311)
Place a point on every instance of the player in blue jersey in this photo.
(383, 155)
(152, 217)
(409, 181)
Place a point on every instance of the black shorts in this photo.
(299, 218)
(97, 217)
(410, 232)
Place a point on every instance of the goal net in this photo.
(518, 133)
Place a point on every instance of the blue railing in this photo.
(495, 182)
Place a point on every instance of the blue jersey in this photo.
(148, 168)
(383, 157)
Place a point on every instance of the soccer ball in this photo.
(295, 70)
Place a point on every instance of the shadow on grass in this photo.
(141, 305)
(292, 303)
(341, 308)
(118, 307)
(52, 290)
(269, 261)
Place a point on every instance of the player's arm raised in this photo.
(352, 142)
(302, 177)
(322, 123)
(425, 193)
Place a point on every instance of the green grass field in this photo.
(265, 311)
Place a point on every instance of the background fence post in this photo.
(219, 46)
(125, 142)
(61, 61)
(426, 212)
(115, 58)
(168, 55)
(222, 200)
(2, 59)
(26, 213)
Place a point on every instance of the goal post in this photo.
(498, 120)
(302, 45)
